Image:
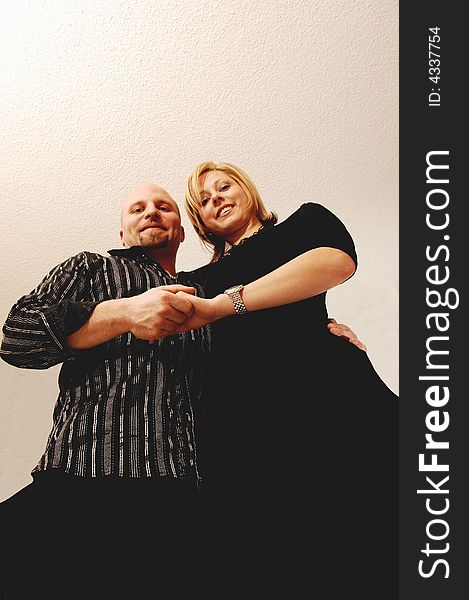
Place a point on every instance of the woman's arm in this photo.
(305, 276)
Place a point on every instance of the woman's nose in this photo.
(216, 199)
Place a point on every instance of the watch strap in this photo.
(235, 295)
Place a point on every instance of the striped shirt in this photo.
(126, 407)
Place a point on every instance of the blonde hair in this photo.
(192, 203)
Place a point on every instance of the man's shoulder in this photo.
(86, 260)
(96, 257)
(82, 258)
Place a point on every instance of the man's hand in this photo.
(344, 331)
(159, 312)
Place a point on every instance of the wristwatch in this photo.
(234, 293)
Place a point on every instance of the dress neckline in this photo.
(234, 247)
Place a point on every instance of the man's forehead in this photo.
(148, 191)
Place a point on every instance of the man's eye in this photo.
(137, 209)
(165, 208)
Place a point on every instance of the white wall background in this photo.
(97, 97)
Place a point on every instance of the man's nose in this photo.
(152, 212)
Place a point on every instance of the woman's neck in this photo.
(246, 231)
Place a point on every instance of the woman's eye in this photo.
(204, 201)
(224, 187)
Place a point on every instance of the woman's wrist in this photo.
(223, 306)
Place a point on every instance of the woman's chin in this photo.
(226, 228)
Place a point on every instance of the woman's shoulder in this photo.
(318, 226)
(308, 210)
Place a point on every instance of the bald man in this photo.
(113, 501)
(95, 314)
(121, 463)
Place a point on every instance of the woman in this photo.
(302, 453)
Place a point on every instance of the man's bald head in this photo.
(150, 218)
(148, 190)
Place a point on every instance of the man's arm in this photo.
(155, 314)
(48, 325)
(35, 331)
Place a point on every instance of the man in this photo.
(95, 314)
(121, 464)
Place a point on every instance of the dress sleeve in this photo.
(36, 329)
(319, 227)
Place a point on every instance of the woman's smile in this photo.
(224, 210)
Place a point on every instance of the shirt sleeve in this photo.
(318, 227)
(36, 330)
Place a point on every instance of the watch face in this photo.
(234, 288)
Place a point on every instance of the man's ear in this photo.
(183, 234)
(121, 235)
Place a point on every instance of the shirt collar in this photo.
(139, 254)
(133, 252)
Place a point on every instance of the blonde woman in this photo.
(302, 451)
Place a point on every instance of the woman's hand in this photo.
(202, 311)
(344, 331)
(205, 310)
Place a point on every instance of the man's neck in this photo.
(168, 262)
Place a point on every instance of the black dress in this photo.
(300, 437)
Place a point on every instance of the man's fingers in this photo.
(173, 319)
(343, 331)
(180, 302)
(358, 344)
(195, 301)
(339, 332)
(178, 288)
(183, 294)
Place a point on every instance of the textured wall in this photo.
(97, 97)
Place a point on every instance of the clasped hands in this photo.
(172, 309)
(169, 310)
